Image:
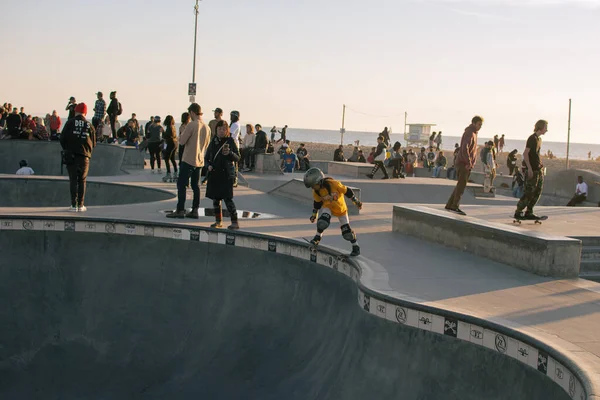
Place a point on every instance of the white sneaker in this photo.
(72, 209)
(160, 171)
(152, 171)
(82, 209)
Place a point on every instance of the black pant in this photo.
(379, 164)
(511, 169)
(181, 147)
(188, 175)
(249, 157)
(398, 166)
(154, 150)
(96, 122)
(577, 199)
(170, 156)
(230, 207)
(113, 121)
(78, 172)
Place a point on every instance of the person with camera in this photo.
(221, 156)
(78, 140)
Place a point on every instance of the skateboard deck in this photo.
(487, 182)
(536, 221)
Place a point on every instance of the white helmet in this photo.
(314, 176)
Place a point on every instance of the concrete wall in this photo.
(295, 190)
(268, 164)
(538, 253)
(45, 159)
(351, 169)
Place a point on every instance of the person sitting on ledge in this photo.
(581, 191)
(338, 155)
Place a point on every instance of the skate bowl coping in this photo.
(181, 316)
(45, 159)
(295, 190)
(539, 253)
(32, 191)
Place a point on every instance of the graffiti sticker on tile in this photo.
(542, 362)
(28, 225)
(129, 229)
(70, 226)
(230, 239)
(450, 327)
(195, 235)
(110, 228)
(367, 303)
(149, 231)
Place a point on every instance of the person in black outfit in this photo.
(338, 154)
(170, 138)
(131, 134)
(221, 156)
(397, 161)
(78, 140)
(303, 160)
(71, 108)
(511, 162)
(361, 157)
(379, 157)
(113, 111)
(283, 133)
(385, 134)
(13, 124)
(260, 145)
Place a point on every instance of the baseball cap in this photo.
(236, 113)
(81, 108)
(218, 109)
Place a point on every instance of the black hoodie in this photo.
(78, 137)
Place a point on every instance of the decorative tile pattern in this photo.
(379, 307)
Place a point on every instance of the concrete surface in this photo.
(160, 318)
(268, 164)
(539, 253)
(351, 169)
(45, 159)
(35, 191)
(296, 191)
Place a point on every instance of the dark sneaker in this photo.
(518, 215)
(316, 240)
(217, 224)
(531, 215)
(193, 214)
(386, 177)
(234, 226)
(355, 250)
(456, 210)
(370, 176)
(176, 214)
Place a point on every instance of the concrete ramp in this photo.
(45, 159)
(296, 191)
(107, 316)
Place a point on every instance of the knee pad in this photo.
(323, 222)
(348, 233)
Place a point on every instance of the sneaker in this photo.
(355, 250)
(518, 215)
(316, 240)
(217, 224)
(370, 176)
(386, 177)
(176, 214)
(81, 208)
(234, 226)
(72, 209)
(152, 171)
(193, 214)
(531, 215)
(456, 210)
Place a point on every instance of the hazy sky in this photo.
(296, 62)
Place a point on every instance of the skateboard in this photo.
(536, 221)
(487, 182)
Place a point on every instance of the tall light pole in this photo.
(569, 134)
(192, 87)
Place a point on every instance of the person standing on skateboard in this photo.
(534, 176)
(465, 161)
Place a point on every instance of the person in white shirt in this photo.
(581, 191)
(235, 131)
(248, 148)
(24, 169)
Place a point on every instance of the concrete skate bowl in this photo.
(44, 158)
(559, 187)
(54, 192)
(168, 312)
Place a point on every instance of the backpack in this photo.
(120, 109)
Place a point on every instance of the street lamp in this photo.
(192, 86)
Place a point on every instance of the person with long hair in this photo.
(185, 119)
(154, 141)
(221, 156)
(170, 138)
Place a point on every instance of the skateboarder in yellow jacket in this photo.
(328, 195)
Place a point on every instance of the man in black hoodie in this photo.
(260, 145)
(78, 140)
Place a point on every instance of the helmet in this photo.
(313, 177)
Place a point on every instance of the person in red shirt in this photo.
(55, 124)
(465, 161)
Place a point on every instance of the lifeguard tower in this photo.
(418, 134)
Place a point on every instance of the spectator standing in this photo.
(283, 135)
(465, 161)
(385, 134)
(235, 131)
(496, 141)
(248, 148)
(511, 162)
(99, 110)
(78, 140)
(147, 126)
(221, 156)
(273, 132)
(185, 120)
(170, 139)
(581, 191)
(71, 108)
(154, 143)
(195, 139)
(114, 110)
(218, 114)
(501, 143)
(379, 158)
(432, 139)
(438, 141)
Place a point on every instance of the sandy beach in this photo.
(324, 151)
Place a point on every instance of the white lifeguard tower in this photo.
(418, 134)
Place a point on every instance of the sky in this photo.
(297, 62)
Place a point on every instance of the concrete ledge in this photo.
(133, 158)
(350, 169)
(295, 190)
(268, 164)
(541, 254)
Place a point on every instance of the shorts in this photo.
(344, 220)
